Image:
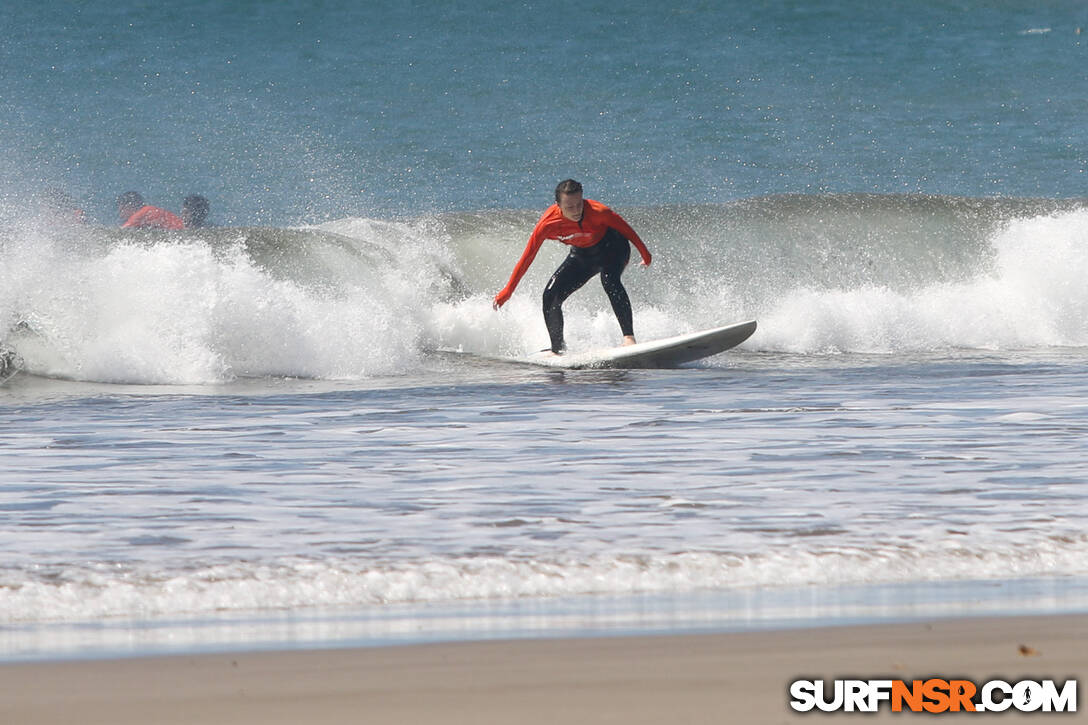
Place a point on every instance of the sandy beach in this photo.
(713, 678)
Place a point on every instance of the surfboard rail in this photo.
(667, 352)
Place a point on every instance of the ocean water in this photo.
(266, 433)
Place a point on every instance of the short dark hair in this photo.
(194, 210)
(130, 199)
(567, 186)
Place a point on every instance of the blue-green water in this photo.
(299, 111)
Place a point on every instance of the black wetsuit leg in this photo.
(611, 269)
(608, 258)
(571, 275)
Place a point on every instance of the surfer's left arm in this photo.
(620, 225)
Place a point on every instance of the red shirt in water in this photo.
(152, 217)
(596, 220)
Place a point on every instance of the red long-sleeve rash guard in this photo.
(152, 217)
(596, 220)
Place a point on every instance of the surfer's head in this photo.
(568, 195)
(128, 204)
(194, 211)
(568, 186)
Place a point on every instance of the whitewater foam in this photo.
(157, 310)
(82, 592)
(359, 297)
(1031, 296)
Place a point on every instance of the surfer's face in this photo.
(571, 206)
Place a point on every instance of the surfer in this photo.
(57, 208)
(600, 242)
(10, 363)
(194, 211)
(136, 214)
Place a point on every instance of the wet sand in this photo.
(712, 678)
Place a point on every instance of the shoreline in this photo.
(564, 617)
(737, 677)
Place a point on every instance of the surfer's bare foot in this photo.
(629, 340)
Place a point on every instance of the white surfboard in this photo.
(666, 353)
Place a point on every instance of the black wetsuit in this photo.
(608, 258)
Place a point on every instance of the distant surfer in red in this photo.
(135, 214)
(600, 242)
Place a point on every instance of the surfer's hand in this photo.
(500, 300)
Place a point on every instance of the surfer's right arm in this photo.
(531, 248)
